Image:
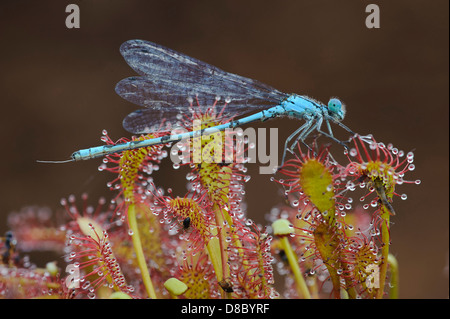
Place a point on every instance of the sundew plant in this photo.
(332, 241)
(328, 238)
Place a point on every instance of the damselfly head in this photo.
(336, 109)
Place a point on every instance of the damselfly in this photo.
(168, 80)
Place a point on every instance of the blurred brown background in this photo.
(57, 94)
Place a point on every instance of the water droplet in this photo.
(130, 232)
(350, 186)
(86, 285)
(404, 196)
(417, 181)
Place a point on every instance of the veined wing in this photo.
(169, 78)
(149, 120)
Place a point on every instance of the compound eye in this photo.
(336, 108)
(334, 105)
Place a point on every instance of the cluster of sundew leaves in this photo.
(201, 244)
(336, 245)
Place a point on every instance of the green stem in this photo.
(132, 221)
(213, 248)
(302, 288)
(393, 266)
(385, 237)
(223, 251)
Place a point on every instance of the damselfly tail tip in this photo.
(56, 162)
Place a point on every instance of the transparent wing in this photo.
(149, 120)
(169, 78)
